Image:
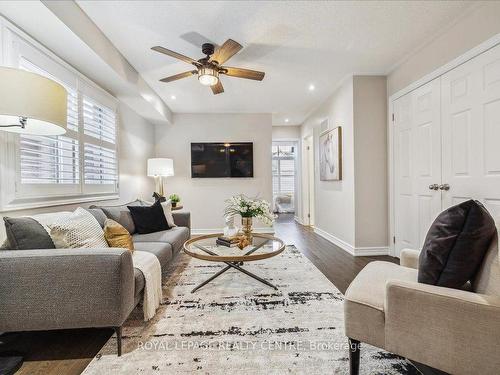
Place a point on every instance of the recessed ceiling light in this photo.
(286, 120)
(311, 87)
(173, 97)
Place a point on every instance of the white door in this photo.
(471, 132)
(417, 164)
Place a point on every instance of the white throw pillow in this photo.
(167, 211)
(77, 230)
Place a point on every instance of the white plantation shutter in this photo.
(49, 160)
(84, 160)
(100, 165)
(99, 155)
(99, 121)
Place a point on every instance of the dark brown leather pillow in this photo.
(455, 245)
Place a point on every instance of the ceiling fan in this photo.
(210, 68)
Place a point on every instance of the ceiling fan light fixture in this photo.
(208, 76)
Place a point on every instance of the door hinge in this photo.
(309, 215)
(308, 148)
(393, 117)
(394, 240)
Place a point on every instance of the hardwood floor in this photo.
(70, 351)
(336, 264)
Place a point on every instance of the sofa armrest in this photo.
(452, 330)
(65, 288)
(409, 258)
(182, 219)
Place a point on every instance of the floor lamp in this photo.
(159, 168)
(29, 104)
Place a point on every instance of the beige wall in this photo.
(204, 197)
(353, 211)
(370, 161)
(286, 132)
(471, 30)
(136, 145)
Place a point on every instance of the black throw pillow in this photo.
(148, 219)
(25, 233)
(455, 245)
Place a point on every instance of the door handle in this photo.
(434, 187)
(445, 187)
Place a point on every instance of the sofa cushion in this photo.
(98, 214)
(25, 233)
(139, 282)
(162, 250)
(117, 236)
(175, 236)
(121, 214)
(368, 288)
(78, 230)
(455, 245)
(149, 219)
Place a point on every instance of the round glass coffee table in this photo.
(263, 246)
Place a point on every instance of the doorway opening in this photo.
(284, 167)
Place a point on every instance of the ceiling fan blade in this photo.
(176, 55)
(226, 51)
(243, 73)
(179, 76)
(217, 88)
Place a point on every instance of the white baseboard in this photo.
(268, 230)
(371, 251)
(355, 251)
(298, 220)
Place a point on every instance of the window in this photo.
(79, 165)
(283, 169)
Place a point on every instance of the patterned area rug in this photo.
(236, 324)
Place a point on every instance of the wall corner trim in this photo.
(355, 251)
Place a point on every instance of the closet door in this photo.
(417, 164)
(471, 132)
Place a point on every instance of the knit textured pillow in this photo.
(77, 230)
(117, 236)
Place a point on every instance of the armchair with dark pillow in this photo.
(449, 329)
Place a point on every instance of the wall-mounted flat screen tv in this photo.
(233, 159)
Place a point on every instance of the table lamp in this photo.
(31, 103)
(159, 168)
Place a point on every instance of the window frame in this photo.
(13, 194)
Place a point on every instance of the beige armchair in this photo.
(456, 331)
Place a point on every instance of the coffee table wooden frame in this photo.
(233, 261)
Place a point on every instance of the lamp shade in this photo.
(31, 103)
(160, 167)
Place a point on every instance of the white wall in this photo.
(136, 145)
(353, 212)
(204, 197)
(334, 200)
(466, 33)
(286, 132)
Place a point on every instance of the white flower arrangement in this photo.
(249, 207)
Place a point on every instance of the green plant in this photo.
(174, 198)
(249, 207)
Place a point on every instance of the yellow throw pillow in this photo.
(117, 236)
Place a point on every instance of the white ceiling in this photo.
(295, 43)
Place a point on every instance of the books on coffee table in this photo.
(227, 241)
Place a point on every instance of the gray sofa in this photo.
(81, 288)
